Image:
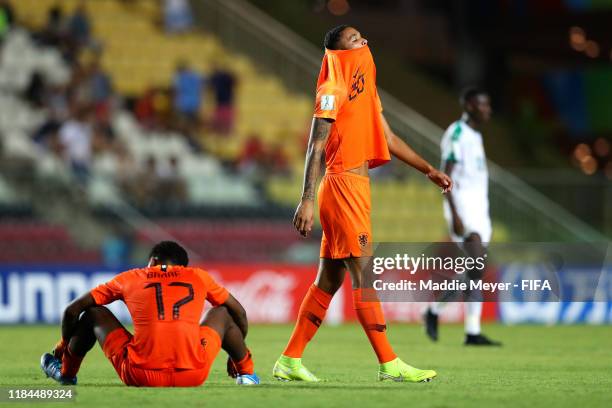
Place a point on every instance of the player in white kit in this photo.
(466, 208)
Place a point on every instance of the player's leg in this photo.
(432, 312)
(431, 315)
(240, 363)
(457, 249)
(314, 306)
(312, 312)
(372, 319)
(368, 309)
(431, 320)
(232, 340)
(473, 298)
(96, 323)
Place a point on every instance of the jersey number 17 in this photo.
(176, 308)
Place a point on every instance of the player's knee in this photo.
(474, 237)
(94, 314)
(220, 316)
(330, 276)
(476, 274)
(473, 245)
(328, 286)
(88, 316)
(357, 280)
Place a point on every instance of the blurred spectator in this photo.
(278, 161)
(172, 187)
(223, 83)
(162, 108)
(79, 26)
(100, 84)
(104, 163)
(257, 161)
(35, 93)
(55, 31)
(7, 18)
(57, 103)
(126, 170)
(55, 34)
(252, 161)
(102, 139)
(177, 16)
(188, 88)
(100, 89)
(253, 153)
(53, 164)
(144, 185)
(55, 146)
(153, 109)
(144, 110)
(76, 137)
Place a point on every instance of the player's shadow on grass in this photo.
(271, 385)
(319, 386)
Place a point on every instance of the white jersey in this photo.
(463, 146)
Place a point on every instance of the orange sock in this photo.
(311, 314)
(246, 365)
(372, 320)
(70, 363)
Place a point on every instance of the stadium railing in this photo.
(526, 213)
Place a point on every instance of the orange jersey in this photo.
(166, 307)
(346, 93)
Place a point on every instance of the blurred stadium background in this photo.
(125, 122)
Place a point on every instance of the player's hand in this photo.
(59, 349)
(441, 179)
(304, 217)
(232, 371)
(458, 228)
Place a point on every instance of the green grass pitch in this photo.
(561, 366)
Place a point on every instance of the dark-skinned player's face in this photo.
(351, 39)
(479, 108)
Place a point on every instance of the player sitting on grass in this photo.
(169, 347)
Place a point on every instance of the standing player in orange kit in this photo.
(350, 128)
(169, 347)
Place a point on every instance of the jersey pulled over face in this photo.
(166, 304)
(346, 93)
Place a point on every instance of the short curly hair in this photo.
(169, 252)
(333, 36)
(470, 93)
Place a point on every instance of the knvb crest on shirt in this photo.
(363, 239)
(357, 84)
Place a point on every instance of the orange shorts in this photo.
(116, 350)
(344, 211)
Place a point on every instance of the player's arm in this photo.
(72, 313)
(402, 151)
(457, 222)
(304, 214)
(238, 313)
(70, 319)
